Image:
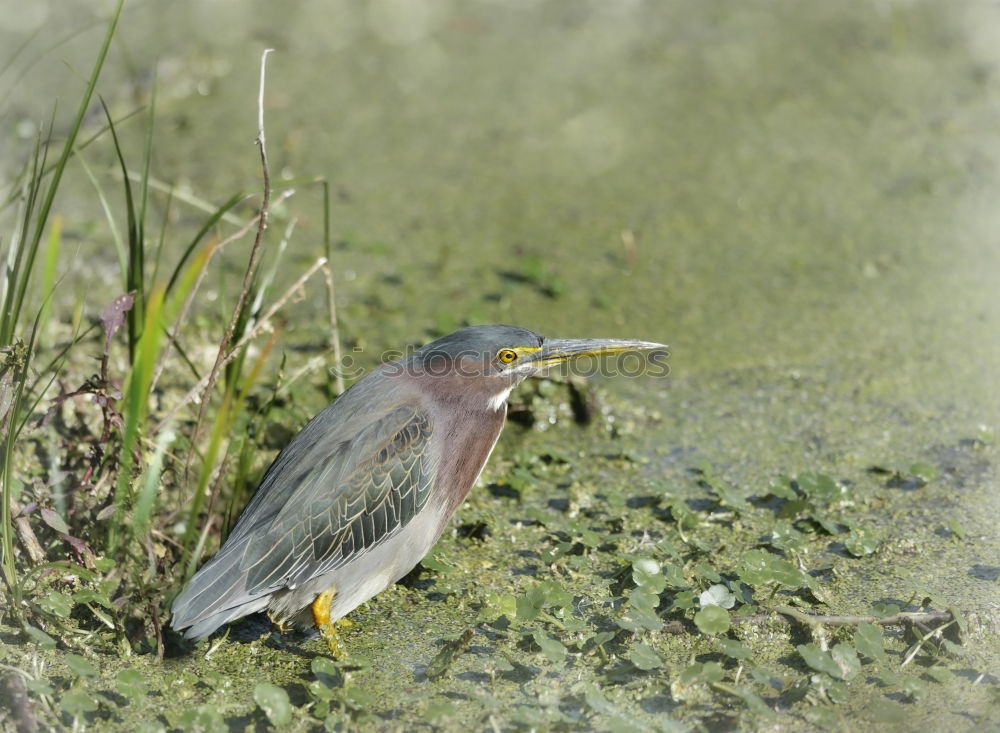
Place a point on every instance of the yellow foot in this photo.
(283, 625)
(328, 628)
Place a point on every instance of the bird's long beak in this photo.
(556, 351)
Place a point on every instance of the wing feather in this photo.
(330, 517)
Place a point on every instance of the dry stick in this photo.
(21, 710)
(251, 264)
(334, 329)
(157, 629)
(923, 634)
(894, 620)
(239, 234)
(27, 535)
(263, 323)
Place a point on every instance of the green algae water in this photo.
(800, 198)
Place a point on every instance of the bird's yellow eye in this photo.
(506, 356)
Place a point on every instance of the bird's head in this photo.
(492, 360)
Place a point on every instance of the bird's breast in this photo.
(466, 439)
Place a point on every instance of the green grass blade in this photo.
(146, 157)
(12, 300)
(220, 428)
(134, 271)
(145, 502)
(163, 236)
(205, 229)
(12, 310)
(15, 384)
(52, 250)
(116, 236)
(159, 311)
(20, 366)
(135, 409)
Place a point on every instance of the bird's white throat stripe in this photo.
(499, 399)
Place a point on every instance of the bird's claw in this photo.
(328, 628)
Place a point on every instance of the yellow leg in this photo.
(328, 628)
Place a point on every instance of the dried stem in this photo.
(897, 619)
(27, 535)
(254, 254)
(182, 317)
(334, 330)
(157, 630)
(262, 324)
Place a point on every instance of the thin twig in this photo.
(895, 620)
(254, 253)
(334, 330)
(263, 323)
(923, 637)
(22, 712)
(157, 630)
(27, 535)
(182, 317)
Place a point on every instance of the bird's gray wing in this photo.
(328, 496)
(332, 514)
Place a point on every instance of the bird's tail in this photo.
(216, 594)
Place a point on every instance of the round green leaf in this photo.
(57, 603)
(819, 660)
(923, 470)
(274, 702)
(717, 595)
(759, 567)
(868, 641)
(327, 672)
(860, 542)
(846, 660)
(786, 538)
(644, 657)
(132, 684)
(712, 620)
(358, 698)
(882, 610)
(702, 672)
(80, 666)
(646, 574)
(76, 702)
(548, 594)
(553, 649)
(39, 687)
(640, 611)
(733, 649)
(683, 600)
(40, 637)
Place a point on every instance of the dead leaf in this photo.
(113, 317)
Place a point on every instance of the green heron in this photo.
(363, 492)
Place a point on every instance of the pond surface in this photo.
(801, 199)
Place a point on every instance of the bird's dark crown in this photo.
(479, 342)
